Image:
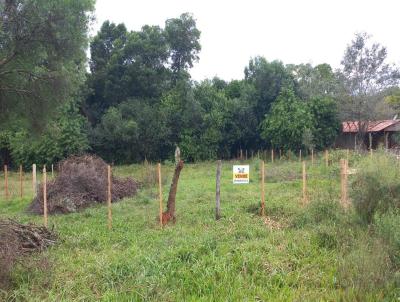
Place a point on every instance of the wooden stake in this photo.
(34, 178)
(241, 154)
(300, 155)
(52, 171)
(272, 155)
(160, 193)
(45, 196)
(21, 188)
(346, 175)
(218, 191)
(343, 182)
(6, 182)
(305, 199)
(262, 188)
(312, 157)
(326, 158)
(109, 197)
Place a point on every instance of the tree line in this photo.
(138, 100)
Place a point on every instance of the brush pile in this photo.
(17, 240)
(81, 182)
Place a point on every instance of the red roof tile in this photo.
(373, 126)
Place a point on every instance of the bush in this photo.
(388, 227)
(376, 187)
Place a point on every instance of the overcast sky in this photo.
(293, 31)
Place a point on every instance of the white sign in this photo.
(241, 174)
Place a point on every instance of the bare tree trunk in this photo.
(169, 214)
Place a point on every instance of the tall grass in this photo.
(317, 252)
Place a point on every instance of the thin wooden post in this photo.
(52, 171)
(246, 154)
(21, 188)
(280, 154)
(262, 188)
(252, 154)
(300, 155)
(109, 197)
(6, 182)
(160, 193)
(343, 182)
(34, 178)
(272, 155)
(241, 154)
(326, 158)
(305, 199)
(370, 140)
(258, 154)
(218, 191)
(312, 157)
(346, 175)
(45, 196)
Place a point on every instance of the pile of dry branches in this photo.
(81, 181)
(18, 239)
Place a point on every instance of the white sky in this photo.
(293, 31)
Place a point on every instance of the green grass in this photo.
(313, 253)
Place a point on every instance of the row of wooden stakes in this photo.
(300, 157)
(344, 179)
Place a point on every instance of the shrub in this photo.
(376, 187)
(388, 227)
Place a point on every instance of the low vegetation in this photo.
(297, 253)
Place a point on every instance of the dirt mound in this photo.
(81, 182)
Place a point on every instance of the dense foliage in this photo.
(138, 100)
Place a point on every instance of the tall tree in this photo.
(183, 39)
(42, 55)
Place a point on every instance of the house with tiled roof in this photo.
(371, 133)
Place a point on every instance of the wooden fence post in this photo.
(326, 158)
(312, 157)
(300, 155)
(343, 182)
(160, 193)
(34, 178)
(5, 182)
(305, 198)
(218, 192)
(272, 155)
(21, 188)
(262, 188)
(109, 197)
(45, 196)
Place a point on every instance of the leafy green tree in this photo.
(268, 79)
(285, 124)
(365, 73)
(183, 39)
(65, 135)
(326, 125)
(42, 56)
(318, 81)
